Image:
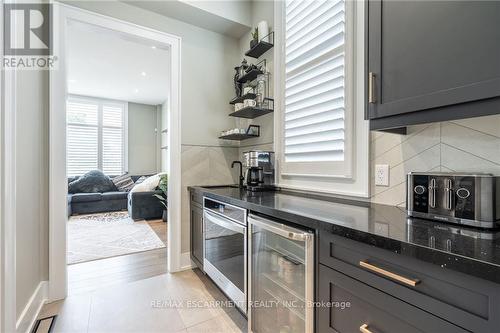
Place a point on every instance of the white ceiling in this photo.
(232, 18)
(108, 64)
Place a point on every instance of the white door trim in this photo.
(7, 194)
(57, 140)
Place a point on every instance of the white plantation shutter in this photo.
(314, 120)
(95, 136)
(112, 139)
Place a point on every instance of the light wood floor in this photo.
(93, 275)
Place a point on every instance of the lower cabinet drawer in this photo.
(348, 306)
(464, 300)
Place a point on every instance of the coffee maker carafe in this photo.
(259, 170)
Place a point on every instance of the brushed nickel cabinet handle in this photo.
(364, 329)
(371, 87)
(391, 275)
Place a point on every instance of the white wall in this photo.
(142, 139)
(31, 184)
(164, 111)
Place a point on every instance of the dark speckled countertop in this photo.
(471, 251)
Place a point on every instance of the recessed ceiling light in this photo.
(143, 73)
(136, 91)
(153, 47)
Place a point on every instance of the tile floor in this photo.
(164, 303)
(89, 276)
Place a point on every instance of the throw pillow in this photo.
(124, 183)
(92, 182)
(149, 184)
(140, 180)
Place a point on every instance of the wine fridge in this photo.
(281, 277)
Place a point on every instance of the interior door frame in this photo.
(8, 314)
(62, 14)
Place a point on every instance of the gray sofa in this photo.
(140, 205)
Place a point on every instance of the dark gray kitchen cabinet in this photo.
(348, 305)
(431, 61)
(196, 224)
(466, 301)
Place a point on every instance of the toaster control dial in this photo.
(419, 189)
(463, 193)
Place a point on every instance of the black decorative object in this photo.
(237, 85)
(243, 68)
(250, 68)
(253, 71)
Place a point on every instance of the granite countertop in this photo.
(471, 251)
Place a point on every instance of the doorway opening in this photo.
(115, 194)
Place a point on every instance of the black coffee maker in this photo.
(259, 167)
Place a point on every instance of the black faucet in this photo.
(241, 171)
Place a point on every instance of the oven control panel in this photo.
(234, 213)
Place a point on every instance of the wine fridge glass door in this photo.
(280, 280)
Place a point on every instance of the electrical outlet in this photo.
(382, 175)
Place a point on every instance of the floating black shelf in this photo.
(250, 112)
(238, 137)
(240, 99)
(250, 76)
(242, 136)
(261, 47)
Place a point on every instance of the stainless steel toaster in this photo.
(469, 199)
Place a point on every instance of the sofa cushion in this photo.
(114, 196)
(92, 182)
(123, 183)
(149, 184)
(141, 179)
(86, 197)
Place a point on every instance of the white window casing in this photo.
(96, 135)
(321, 138)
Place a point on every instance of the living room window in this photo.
(96, 135)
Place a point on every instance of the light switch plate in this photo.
(382, 175)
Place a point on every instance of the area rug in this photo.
(98, 236)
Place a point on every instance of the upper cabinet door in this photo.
(428, 54)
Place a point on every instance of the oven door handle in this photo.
(224, 223)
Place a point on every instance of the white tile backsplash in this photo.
(469, 145)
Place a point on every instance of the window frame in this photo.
(100, 126)
(351, 176)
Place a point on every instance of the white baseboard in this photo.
(30, 313)
(186, 262)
